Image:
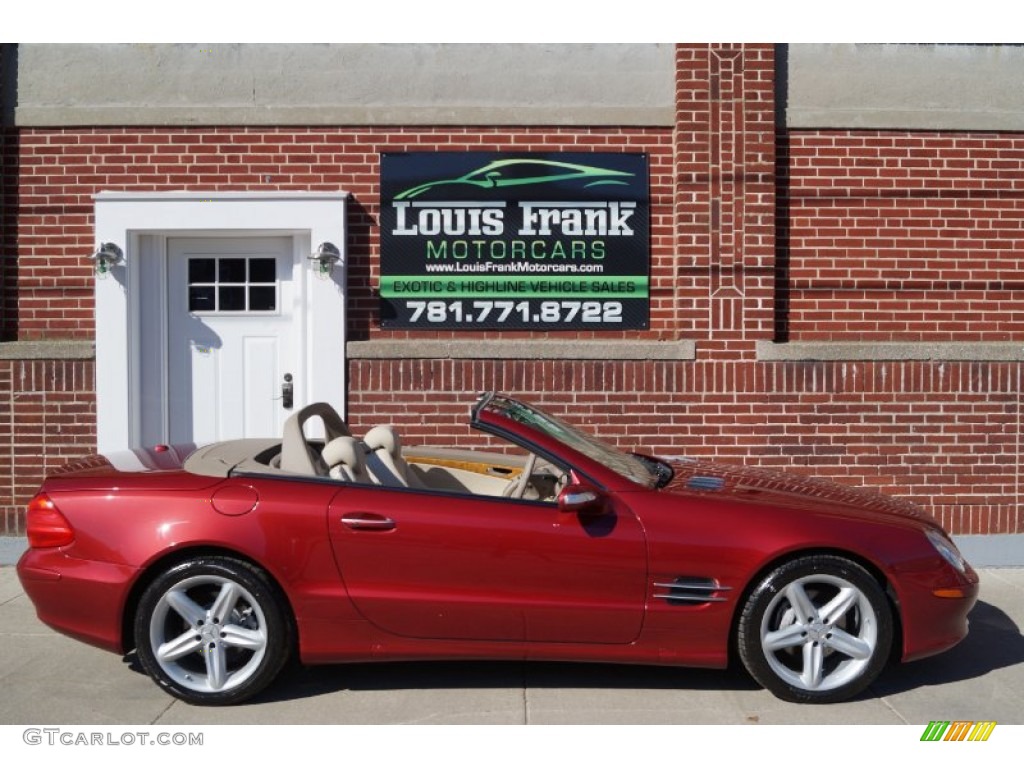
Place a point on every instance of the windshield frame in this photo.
(628, 466)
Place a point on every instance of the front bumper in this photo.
(933, 624)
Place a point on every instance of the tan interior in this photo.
(377, 459)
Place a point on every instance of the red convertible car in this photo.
(219, 568)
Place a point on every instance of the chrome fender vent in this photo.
(690, 590)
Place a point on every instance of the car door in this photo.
(452, 566)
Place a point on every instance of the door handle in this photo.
(367, 521)
(287, 392)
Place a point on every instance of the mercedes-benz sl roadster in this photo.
(551, 544)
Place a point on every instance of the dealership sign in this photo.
(517, 241)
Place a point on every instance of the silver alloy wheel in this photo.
(819, 633)
(208, 634)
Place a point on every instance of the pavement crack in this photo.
(11, 599)
(156, 720)
(885, 703)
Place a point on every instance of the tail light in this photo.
(45, 524)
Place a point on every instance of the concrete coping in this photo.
(770, 351)
(767, 351)
(66, 349)
(520, 349)
(556, 349)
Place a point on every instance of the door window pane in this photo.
(262, 270)
(202, 298)
(232, 285)
(231, 270)
(262, 298)
(201, 270)
(231, 298)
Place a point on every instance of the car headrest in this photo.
(343, 450)
(383, 437)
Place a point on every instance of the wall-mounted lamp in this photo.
(325, 256)
(105, 256)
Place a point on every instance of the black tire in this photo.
(816, 630)
(213, 630)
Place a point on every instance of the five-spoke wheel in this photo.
(212, 630)
(816, 629)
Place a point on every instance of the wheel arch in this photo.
(171, 559)
(870, 567)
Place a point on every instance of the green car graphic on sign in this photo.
(513, 173)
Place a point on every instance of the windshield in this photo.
(636, 468)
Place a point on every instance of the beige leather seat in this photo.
(384, 459)
(344, 459)
(297, 454)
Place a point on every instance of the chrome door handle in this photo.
(365, 521)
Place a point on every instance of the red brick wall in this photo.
(47, 417)
(906, 236)
(735, 258)
(725, 195)
(59, 171)
(912, 237)
(8, 230)
(943, 434)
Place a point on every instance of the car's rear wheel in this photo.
(212, 630)
(817, 629)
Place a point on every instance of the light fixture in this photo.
(326, 256)
(105, 256)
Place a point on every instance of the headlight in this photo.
(947, 549)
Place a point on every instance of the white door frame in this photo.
(130, 219)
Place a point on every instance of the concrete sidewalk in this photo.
(51, 679)
(11, 549)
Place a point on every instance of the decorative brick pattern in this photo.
(725, 194)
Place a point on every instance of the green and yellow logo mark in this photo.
(522, 172)
(958, 730)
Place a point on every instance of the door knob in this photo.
(287, 391)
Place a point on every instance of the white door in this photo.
(232, 358)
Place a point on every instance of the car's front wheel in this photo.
(817, 629)
(212, 630)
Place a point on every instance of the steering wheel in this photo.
(517, 487)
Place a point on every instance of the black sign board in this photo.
(516, 241)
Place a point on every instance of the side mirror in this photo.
(579, 499)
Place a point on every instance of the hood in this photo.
(759, 485)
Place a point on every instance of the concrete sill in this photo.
(520, 349)
(769, 351)
(47, 350)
